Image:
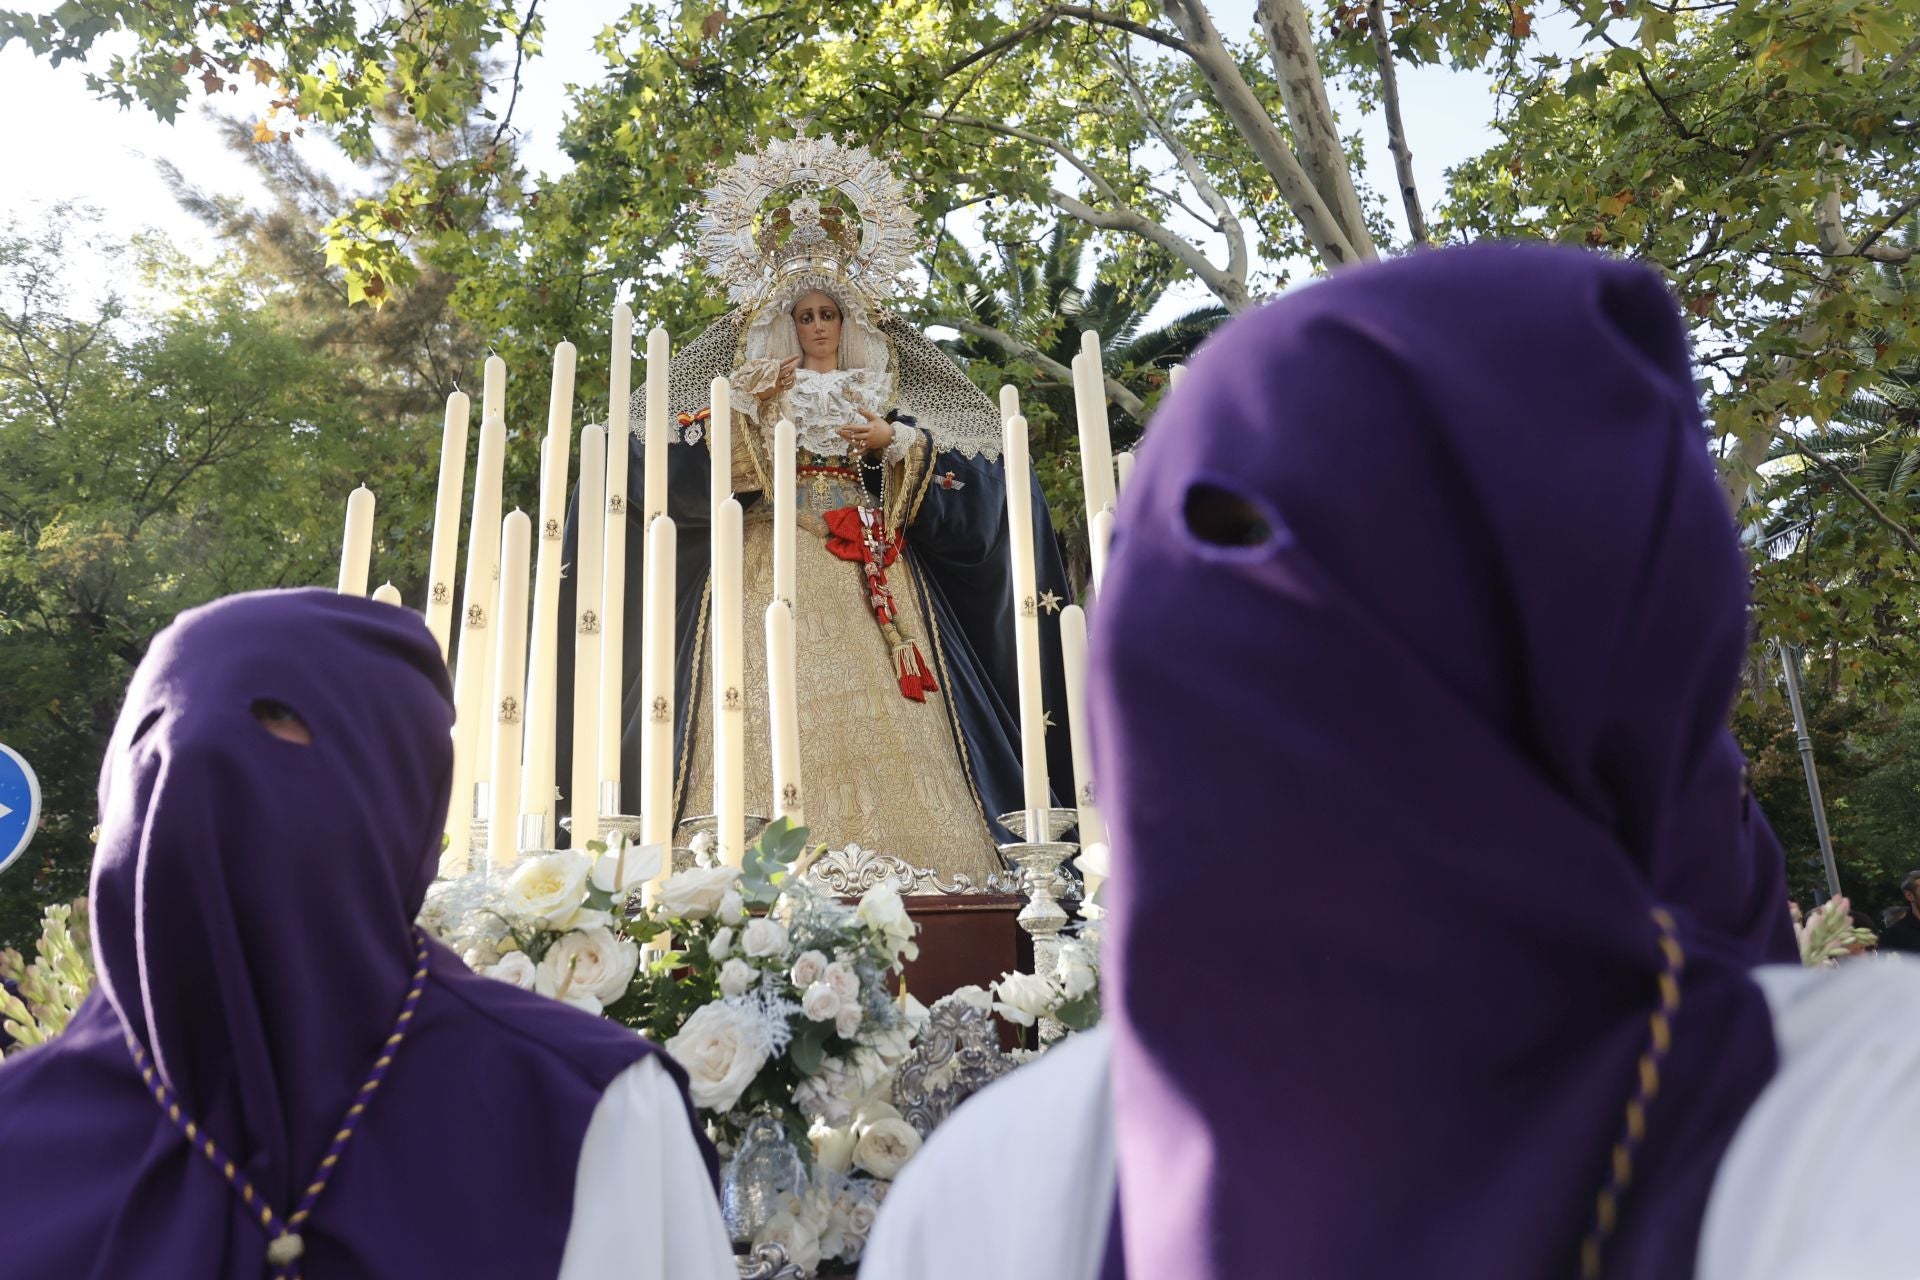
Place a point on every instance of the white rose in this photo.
(801, 1241)
(847, 1024)
(1075, 972)
(591, 962)
(548, 887)
(820, 1002)
(826, 1096)
(860, 1214)
(882, 911)
(886, 1146)
(807, 969)
(1024, 997)
(737, 977)
(702, 846)
(722, 945)
(515, 968)
(722, 1049)
(586, 918)
(625, 867)
(892, 1045)
(733, 908)
(832, 1148)
(764, 939)
(695, 893)
(844, 981)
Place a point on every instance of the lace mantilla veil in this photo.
(845, 230)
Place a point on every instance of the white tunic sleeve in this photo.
(643, 1207)
(1821, 1179)
(1017, 1184)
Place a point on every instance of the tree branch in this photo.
(1845, 481)
(1244, 109)
(1396, 127)
(1228, 222)
(1316, 137)
(519, 57)
(1132, 405)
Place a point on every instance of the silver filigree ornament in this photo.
(807, 204)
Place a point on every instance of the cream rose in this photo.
(764, 939)
(886, 1146)
(1024, 997)
(549, 887)
(515, 969)
(844, 981)
(801, 1241)
(807, 969)
(847, 1024)
(722, 1049)
(1075, 972)
(820, 1002)
(737, 977)
(722, 945)
(733, 908)
(970, 996)
(832, 1148)
(695, 894)
(590, 962)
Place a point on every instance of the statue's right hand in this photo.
(784, 381)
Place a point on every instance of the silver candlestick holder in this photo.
(1039, 862)
(709, 824)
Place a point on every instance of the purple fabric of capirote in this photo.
(1394, 790)
(252, 909)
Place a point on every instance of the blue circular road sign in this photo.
(19, 805)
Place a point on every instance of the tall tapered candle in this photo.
(786, 461)
(1026, 627)
(472, 671)
(356, 548)
(1099, 538)
(446, 520)
(729, 674)
(613, 571)
(583, 786)
(1073, 657)
(783, 714)
(543, 707)
(510, 677)
(720, 443)
(493, 390)
(1009, 401)
(386, 593)
(656, 426)
(1122, 472)
(1178, 372)
(656, 688)
(1096, 450)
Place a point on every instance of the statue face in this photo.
(816, 320)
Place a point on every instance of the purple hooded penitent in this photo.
(1410, 688)
(252, 904)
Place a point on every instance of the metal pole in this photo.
(1790, 663)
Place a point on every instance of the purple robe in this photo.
(1410, 685)
(252, 906)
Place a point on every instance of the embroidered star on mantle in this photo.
(1046, 718)
(1050, 602)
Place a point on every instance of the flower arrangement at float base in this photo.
(772, 995)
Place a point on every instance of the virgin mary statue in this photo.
(909, 733)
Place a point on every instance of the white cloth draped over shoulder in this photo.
(643, 1208)
(1822, 1179)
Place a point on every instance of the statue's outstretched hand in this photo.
(872, 433)
(784, 380)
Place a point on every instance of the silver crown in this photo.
(807, 206)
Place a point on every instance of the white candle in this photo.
(510, 677)
(356, 548)
(783, 714)
(543, 703)
(583, 786)
(1026, 624)
(1096, 450)
(1099, 538)
(656, 689)
(657, 428)
(446, 520)
(386, 593)
(729, 675)
(720, 443)
(493, 391)
(613, 567)
(1173, 378)
(786, 517)
(1009, 401)
(474, 661)
(1073, 656)
(1123, 472)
